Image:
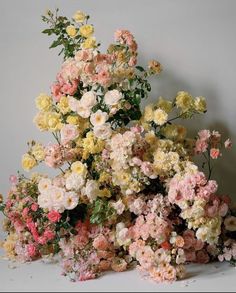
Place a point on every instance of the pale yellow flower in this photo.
(41, 121)
(38, 152)
(53, 121)
(43, 102)
(200, 104)
(63, 105)
(148, 113)
(79, 168)
(71, 31)
(74, 120)
(184, 101)
(89, 43)
(28, 162)
(164, 105)
(160, 117)
(86, 30)
(79, 16)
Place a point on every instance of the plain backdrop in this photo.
(194, 40)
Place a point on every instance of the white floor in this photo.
(42, 277)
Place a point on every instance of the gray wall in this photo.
(194, 40)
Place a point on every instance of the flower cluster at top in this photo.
(128, 192)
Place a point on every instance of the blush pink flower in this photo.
(34, 207)
(104, 77)
(100, 242)
(31, 250)
(228, 144)
(68, 133)
(13, 179)
(54, 216)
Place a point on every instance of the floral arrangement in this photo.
(128, 192)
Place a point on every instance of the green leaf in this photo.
(140, 68)
(48, 31)
(55, 44)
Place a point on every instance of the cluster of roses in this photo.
(128, 192)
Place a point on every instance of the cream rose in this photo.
(103, 131)
(98, 118)
(112, 98)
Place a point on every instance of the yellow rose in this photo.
(53, 121)
(79, 168)
(200, 104)
(148, 113)
(74, 120)
(41, 121)
(63, 105)
(28, 162)
(71, 31)
(170, 131)
(79, 16)
(86, 30)
(184, 101)
(160, 117)
(43, 102)
(151, 138)
(89, 43)
(164, 105)
(38, 152)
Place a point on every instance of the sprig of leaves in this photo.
(101, 211)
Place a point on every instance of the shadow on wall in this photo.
(167, 85)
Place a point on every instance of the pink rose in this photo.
(68, 133)
(214, 153)
(100, 243)
(48, 234)
(204, 134)
(54, 216)
(56, 91)
(31, 249)
(103, 77)
(34, 207)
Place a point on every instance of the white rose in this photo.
(103, 131)
(71, 200)
(44, 201)
(118, 206)
(112, 98)
(88, 100)
(74, 181)
(83, 112)
(57, 195)
(98, 118)
(44, 184)
(73, 103)
(91, 190)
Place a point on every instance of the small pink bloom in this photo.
(48, 234)
(68, 133)
(204, 134)
(25, 213)
(13, 179)
(103, 77)
(132, 61)
(31, 249)
(56, 91)
(100, 242)
(201, 146)
(34, 207)
(54, 216)
(228, 144)
(214, 153)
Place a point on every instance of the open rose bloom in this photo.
(128, 191)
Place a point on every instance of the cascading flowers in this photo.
(128, 192)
